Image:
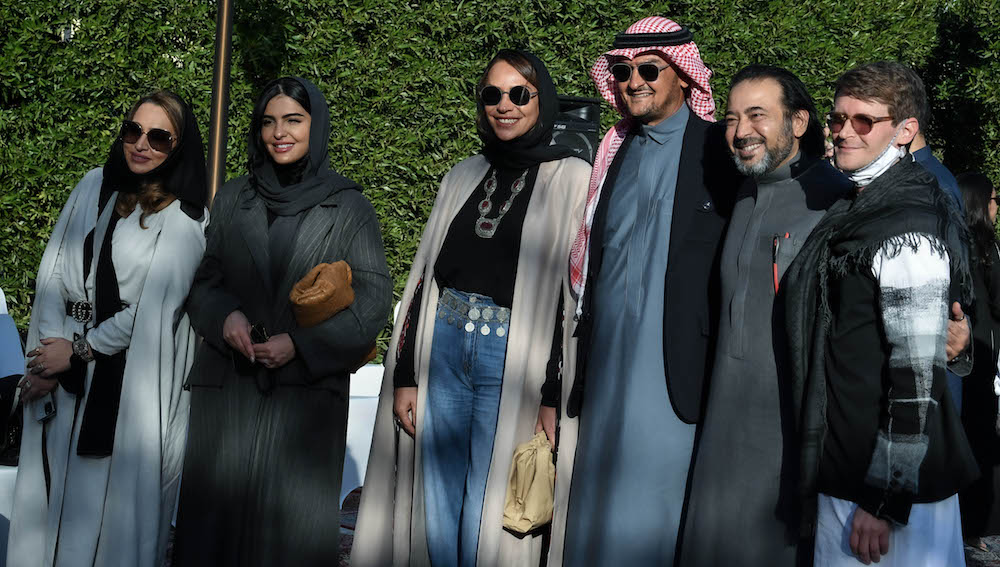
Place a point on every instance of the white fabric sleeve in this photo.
(115, 333)
(913, 278)
(52, 312)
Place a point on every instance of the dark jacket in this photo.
(706, 188)
(236, 274)
(836, 337)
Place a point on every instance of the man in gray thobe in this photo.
(644, 318)
(742, 503)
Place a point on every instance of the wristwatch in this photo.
(81, 348)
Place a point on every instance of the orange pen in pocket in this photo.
(774, 259)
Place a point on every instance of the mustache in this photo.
(740, 143)
(643, 89)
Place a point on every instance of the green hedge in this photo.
(399, 77)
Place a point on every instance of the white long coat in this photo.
(133, 490)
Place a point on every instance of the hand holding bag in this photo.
(323, 292)
(530, 486)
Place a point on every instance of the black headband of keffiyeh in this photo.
(633, 40)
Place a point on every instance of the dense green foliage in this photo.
(399, 77)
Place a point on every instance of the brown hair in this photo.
(893, 84)
(152, 195)
(520, 63)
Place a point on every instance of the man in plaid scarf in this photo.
(642, 265)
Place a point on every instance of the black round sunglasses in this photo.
(519, 95)
(648, 71)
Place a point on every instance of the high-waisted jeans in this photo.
(463, 399)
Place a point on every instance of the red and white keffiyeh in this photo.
(685, 58)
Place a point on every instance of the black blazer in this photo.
(235, 273)
(706, 188)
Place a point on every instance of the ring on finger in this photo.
(27, 384)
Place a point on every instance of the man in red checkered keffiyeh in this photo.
(680, 51)
(641, 269)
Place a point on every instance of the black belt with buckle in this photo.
(81, 311)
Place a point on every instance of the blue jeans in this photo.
(460, 420)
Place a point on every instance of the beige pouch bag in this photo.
(530, 486)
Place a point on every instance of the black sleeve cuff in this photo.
(550, 393)
(893, 507)
(404, 379)
(552, 387)
(73, 379)
(404, 375)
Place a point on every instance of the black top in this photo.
(486, 266)
(470, 263)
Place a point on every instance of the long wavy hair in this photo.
(153, 196)
(977, 190)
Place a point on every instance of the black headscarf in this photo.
(534, 146)
(183, 173)
(317, 180)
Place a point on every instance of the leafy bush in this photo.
(399, 77)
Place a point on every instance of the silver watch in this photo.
(81, 348)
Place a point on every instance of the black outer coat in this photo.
(236, 274)
(265, 454)
(706, 188)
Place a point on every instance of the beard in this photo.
(773, 155)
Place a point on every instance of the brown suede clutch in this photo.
(323, 292)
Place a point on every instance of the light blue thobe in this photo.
(633, 452)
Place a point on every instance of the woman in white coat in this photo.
(109, 345)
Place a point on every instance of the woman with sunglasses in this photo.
(979, 502)
(469, 353)
(269, 397)
(105, 416)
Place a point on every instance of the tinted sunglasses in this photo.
(158, 139)
(648, 71)
(861, 123)
(520, 96)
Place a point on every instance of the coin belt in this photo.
(472, 315)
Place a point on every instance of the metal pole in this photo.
(218, 130)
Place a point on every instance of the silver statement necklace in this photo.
(486, 228)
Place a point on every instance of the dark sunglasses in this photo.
(158, 139)
(648, 71)
(520, 96)
(861, 123)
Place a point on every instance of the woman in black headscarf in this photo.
(980, 501)
(468, 359)
(269, 396)
(109, 346)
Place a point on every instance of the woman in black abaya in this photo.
(269, 397)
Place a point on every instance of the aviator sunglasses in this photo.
(158, 139)
(862, 123)
(519, 95)
(648, 71)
